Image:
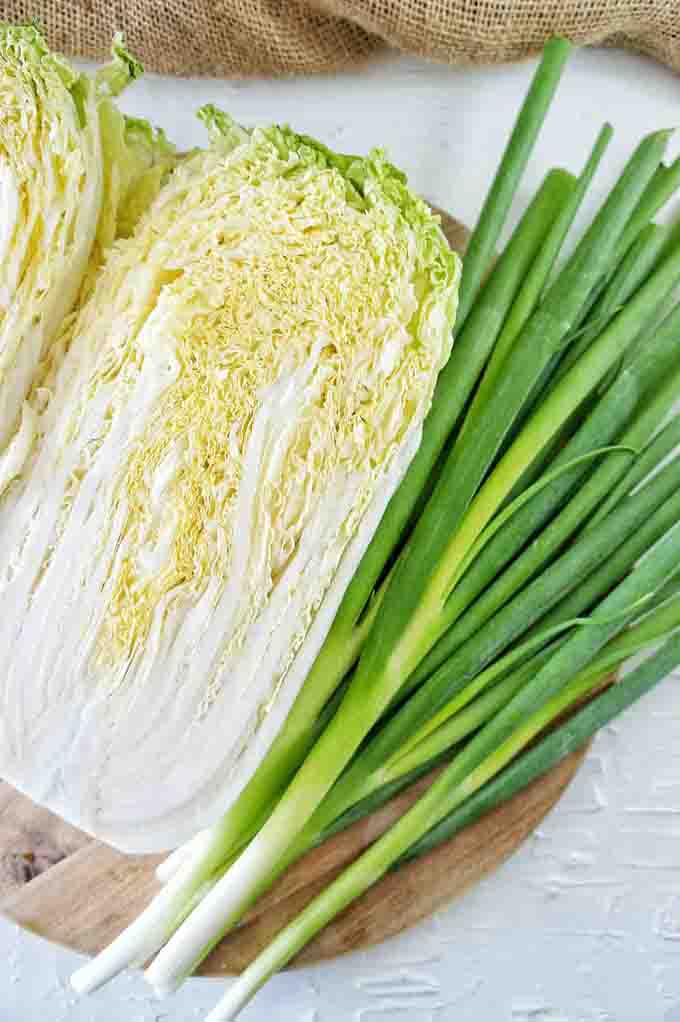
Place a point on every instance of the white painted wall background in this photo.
(583, 925)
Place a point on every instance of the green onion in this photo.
(530, 290)
(636, 518)
(465, 467)
(629, 275)
(535, 281)
(467, 802)
(355, 796)
(656, 361)
(653, 626)
(566, 739)
(369, 772)
(663, 185)
(411, 766)
(601, 579)
(463, 615)
(459, 724)
(654, 453)
(515, 158)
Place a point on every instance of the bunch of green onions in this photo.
(529, 552)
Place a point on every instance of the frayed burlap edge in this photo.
(246, 38)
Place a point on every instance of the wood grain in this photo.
(64, 886)
(85, 899)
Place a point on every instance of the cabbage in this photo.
(240, 395)
(74, 172)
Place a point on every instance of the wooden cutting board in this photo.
(64, 886)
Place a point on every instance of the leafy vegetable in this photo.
(72, 170)
(241, 393)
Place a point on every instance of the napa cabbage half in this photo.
(74, 174)
(240, 396)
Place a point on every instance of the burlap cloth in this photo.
(241, 38)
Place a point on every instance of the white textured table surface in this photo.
(583, 925)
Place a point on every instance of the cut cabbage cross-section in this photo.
(74, 174)
(241, 395)
(50, 197)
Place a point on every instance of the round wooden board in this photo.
(64, 886)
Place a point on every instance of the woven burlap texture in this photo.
(243, 38)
